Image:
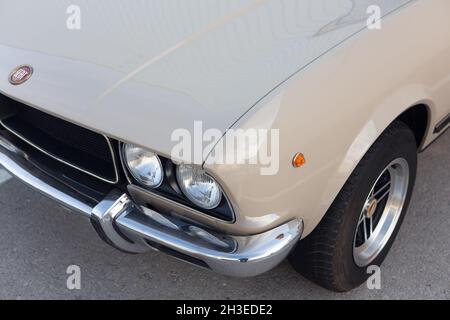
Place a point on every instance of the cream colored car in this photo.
(96, 97)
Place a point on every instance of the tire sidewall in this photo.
(400, 145)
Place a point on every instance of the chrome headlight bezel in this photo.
(134, 172)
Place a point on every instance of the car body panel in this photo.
(164, 64)
(331, 90)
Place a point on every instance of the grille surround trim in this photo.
(108, 141)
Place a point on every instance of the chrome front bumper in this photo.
(124, 225)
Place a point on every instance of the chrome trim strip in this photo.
(113, 155)
(15, 162)
(442, 124)
(111, 149)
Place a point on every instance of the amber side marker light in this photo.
(299, 160)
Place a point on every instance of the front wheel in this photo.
(362, 223)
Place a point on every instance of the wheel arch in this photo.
(418, 119)
(416, 114)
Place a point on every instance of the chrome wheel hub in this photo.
(381, 212)
(371, 208)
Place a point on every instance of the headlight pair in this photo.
(146, 168)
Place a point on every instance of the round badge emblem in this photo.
(20, 75)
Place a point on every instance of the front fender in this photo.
(333, 111)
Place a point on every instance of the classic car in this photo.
(124, 111)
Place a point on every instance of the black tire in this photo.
(326, 255)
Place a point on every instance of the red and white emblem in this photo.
(20, 75)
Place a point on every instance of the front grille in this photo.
(77, 147)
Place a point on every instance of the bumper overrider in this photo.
(127, 227)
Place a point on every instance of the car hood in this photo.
(138, 70)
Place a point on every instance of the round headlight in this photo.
(145, 166)
(199, 187)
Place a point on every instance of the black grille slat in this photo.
(67, 133)
(84, 149)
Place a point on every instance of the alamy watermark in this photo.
(73, 21)
(73, 281)
(238, 147)
(374, 280)
(374, 20)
